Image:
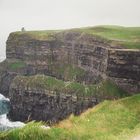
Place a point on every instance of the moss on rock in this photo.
(105, 89)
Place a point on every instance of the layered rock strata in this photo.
(69, 56)
(47, 99)
(75, 56)
(123, 67)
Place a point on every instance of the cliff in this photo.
(123, 68)
(72, 55)
(55, 99)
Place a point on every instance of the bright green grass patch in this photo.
(110, 90)
(131, 45)
(16, 65)
(110, 120)
(129, 37)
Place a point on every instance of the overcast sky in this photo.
(56, 14)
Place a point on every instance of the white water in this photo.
(1, 58)
(5, 123)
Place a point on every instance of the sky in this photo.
(61, 14)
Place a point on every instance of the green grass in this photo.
(16, 65)
(110, 120)
(105, 89)
(39, 35)
(32, 131)
(110, 90)
(129, 37)
(68, 71)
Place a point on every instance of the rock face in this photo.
(51, 100)
(46, 104)
(46, 98)
(75, 56)
(82, 54)
(123, 67)
(69, 56)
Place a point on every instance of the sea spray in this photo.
(5, 123)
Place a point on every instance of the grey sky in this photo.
(56, 14)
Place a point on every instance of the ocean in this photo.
(5, 123)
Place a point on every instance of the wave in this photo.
(5, 123)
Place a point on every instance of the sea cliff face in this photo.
(74, 56)
(69, 56)
(47, 99)
(123, 67)
(82, 56)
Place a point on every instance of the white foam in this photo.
(5, 123)
(3, 98)
(45, 127)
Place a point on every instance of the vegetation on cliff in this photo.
(105, 89)
(129, 37)
(12, 65)
(110, 120)
(68, 72)
(16, 65)
(38, 35)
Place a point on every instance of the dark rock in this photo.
(45, 106)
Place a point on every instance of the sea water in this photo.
(5, 123)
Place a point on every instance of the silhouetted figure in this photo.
(23, 29)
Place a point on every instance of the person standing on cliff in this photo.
(23, 29)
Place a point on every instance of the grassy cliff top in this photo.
(38, 35)
(110, 120)
(129, 37)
